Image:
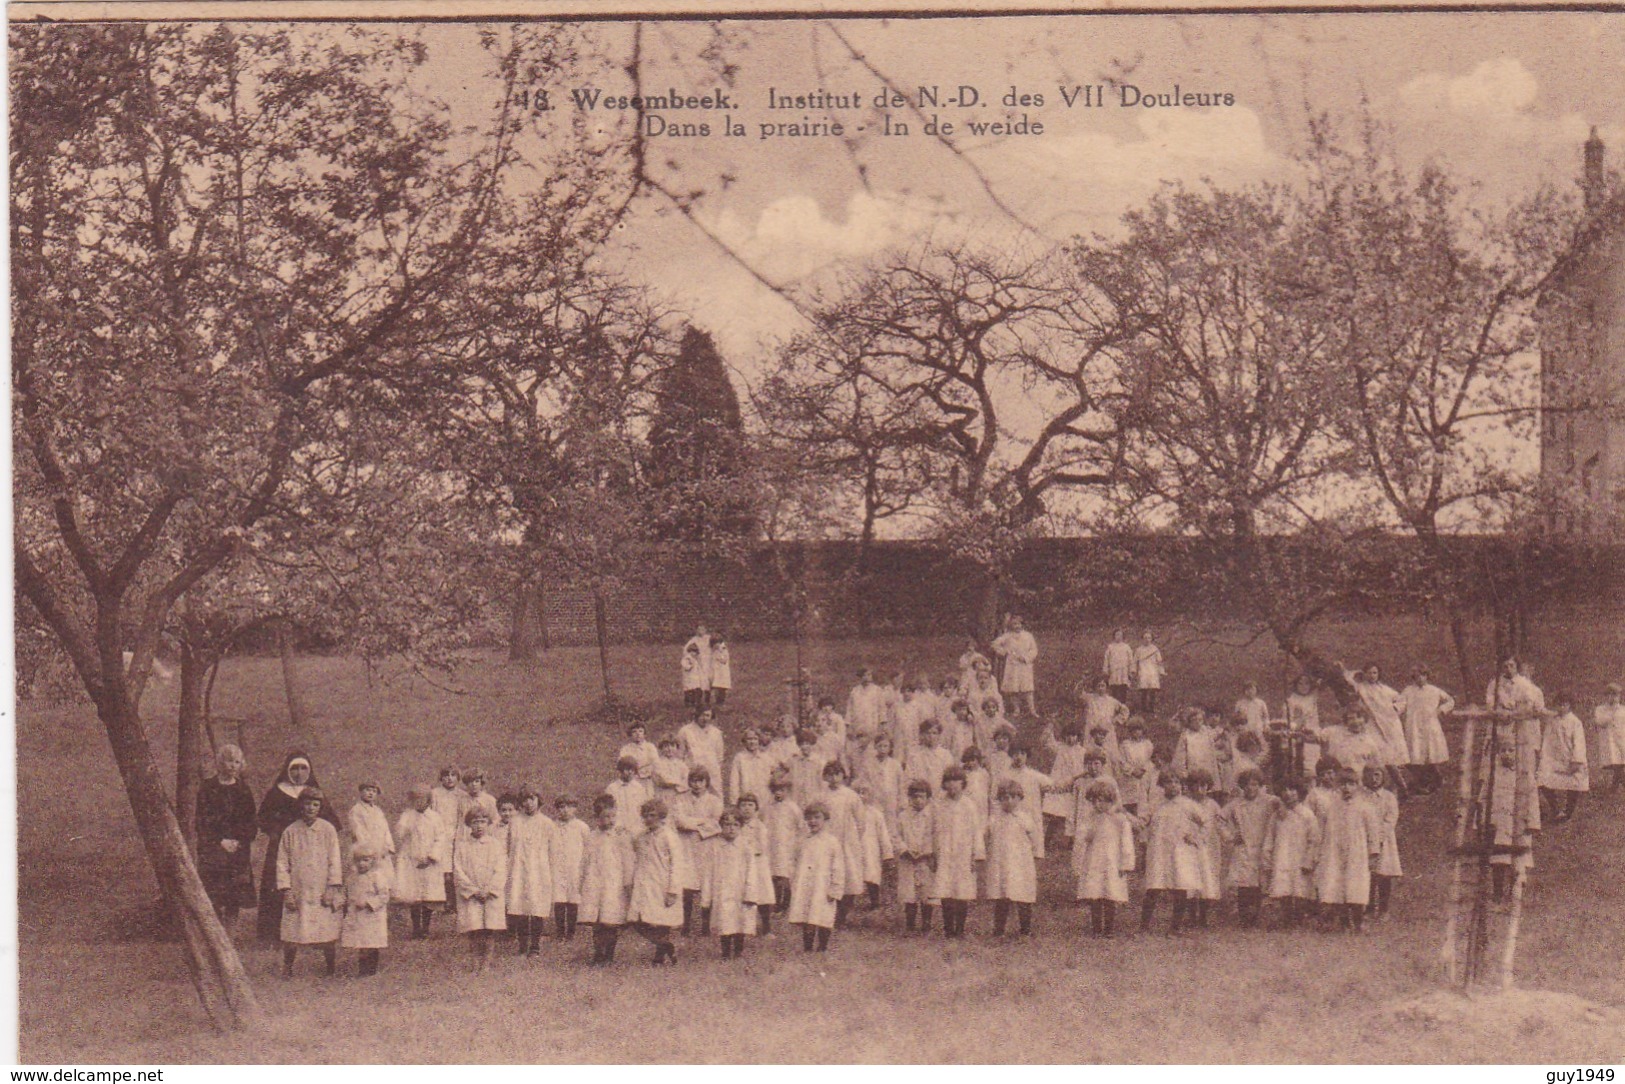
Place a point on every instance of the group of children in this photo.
(807, 824)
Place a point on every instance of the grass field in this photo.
(90, 992)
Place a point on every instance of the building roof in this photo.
(1605, 222)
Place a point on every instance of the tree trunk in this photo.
(212, 960)
(527, 631)
(1467, 785)
(208, 709)
(600, 617)
(1311, 661)
(1458, 637)
(189, 743)
(297, 716)
(860, 580)
(538, 608)
(985, 621)
(866, 542)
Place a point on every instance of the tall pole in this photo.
(1524, 737)
(1478, 933)
(1464, 810)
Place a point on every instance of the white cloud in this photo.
(1064, 183)
(1488, 124)
(1497, 89)
(1086, 181)
(792, 237)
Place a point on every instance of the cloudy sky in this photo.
(1505, 99)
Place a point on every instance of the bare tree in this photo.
(1433, 303)
(962, 384)
(227, 246)
(1232, 367)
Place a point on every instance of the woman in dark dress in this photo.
(279, 809)
(225, 832)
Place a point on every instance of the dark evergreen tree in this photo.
(697, 450)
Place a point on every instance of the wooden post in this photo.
(1478, 935)
(600, 620)
(1525, 804)
(1509, 950)
(1464, 808)
(297, 716)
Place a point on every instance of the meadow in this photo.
(96, 987)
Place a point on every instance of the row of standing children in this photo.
(677, 775)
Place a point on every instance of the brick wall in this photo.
(911, 588)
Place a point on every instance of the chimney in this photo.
(1592, 184)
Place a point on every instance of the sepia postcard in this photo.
(679, 533)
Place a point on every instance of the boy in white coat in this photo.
(916, 856)
(310, 876)
(1103, 713)
(702, 745)
(366, 907)
(1253, 710)
(641, 749)
(448, 799)
(959, 844)
(753, 830)
(805, 771)
(1136, 774)
(660, 872)
(1383, 707)
(881, 771)
(1172, 854)
(528, 890)
(1609, 718)
(1015, 844)
(1350, 844)
(474, 794)
(629, 793)
(928, 760)
(1149, 670)
(728, 880)
(1102, 857)
(1388, 868)
(1019, 651)
(752, 766)
(819, 880)
(1291, 849)
(481, 873)
(606, 879)
(1422, 703)
(369, 824)
(722, 671)
(865, 710)
(1353, 744)
(912, 710)
(875, 845)
(783, 820)
(1032, 780)
(969, 660)
(1563, 769)
(569, 856)
(1118, 665)
(1194, 749)
(694, 815)
(845, 810)
(671, 771)
(1246, 822)
(695, 668)
(419, 878)
(1058, 803)
(1206, 812)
